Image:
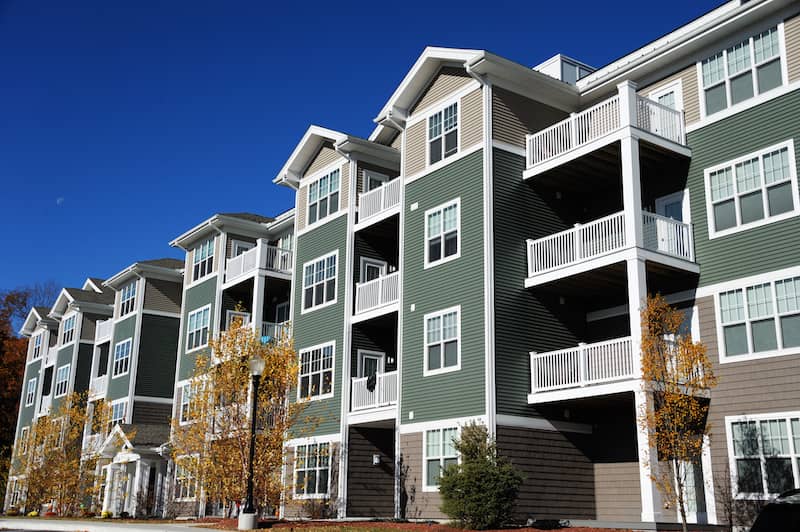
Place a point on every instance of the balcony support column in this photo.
(259, 283)
(631, 173)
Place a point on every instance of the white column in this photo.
(631, 174)
(708, 481)
(108, 491)
(137, 485)
(259, 285)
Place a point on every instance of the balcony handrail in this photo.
(99, 385)
(379, 200)
(103, 330)
(667, 235)
(378, 292)
(263, 255)
(384, 393)
(279, 331)
(661, 120)
(582, 365)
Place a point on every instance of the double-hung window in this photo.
(197, 332)
(323, 196)
(30, 392)
(751, 191)
(319, 281)
(127, 299)
(23, 440)
(442, 341)
(311, 467)
(442, 233)
(185, 478)
(761, 319)
(37, 347)
(122, 358)
(443, 133)
(187, 391)
(118, 409)
(62, 380)
(766, 454)
(738, 73)
(203, 259)
(440, 453)
(68, 330)
(316, 372)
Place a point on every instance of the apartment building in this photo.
(237, 266)
(484, 256)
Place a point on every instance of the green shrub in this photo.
(481, 491)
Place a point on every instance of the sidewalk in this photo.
(97, 525)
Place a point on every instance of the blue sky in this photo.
(124, 123)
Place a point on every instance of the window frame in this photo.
(112, 420)
(37, 341)
(205, 265)
(189, 331)
(440, 314)
(439, 110)
(127, 299)
(186, 479)
(776, 315)
(321, 371)
(441, 457)
(70, 320)
(314, 181)
(57, 382)
(324, 282)
(316, 469)
(126, 359)
(781, 57)
(441, 208)
(187, 391)
(24, 434)
(675, 86)
(30, 392)
(793, 456)
(763, 188)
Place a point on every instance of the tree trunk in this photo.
(679, 485)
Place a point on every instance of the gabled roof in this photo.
(248, 216)
(35, 316)
(174, 264)
(242, 222)
(93, 283)
(144, 436)
(167, 268)
(99, 302)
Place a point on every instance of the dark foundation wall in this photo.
(370, 488)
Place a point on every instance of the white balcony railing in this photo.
(583, 365)
(98, 387)
(379, 200)
(668, 236)
(279, 331)
(44, 404)
(92, 443)
(51, 356)
(263, 256)
(602, 119)
(378, 292)
(103, 331)
(384, 392)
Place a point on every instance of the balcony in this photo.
(383, 393)
(582, 371)
(92, 443)
(98, 387)
(51, 356)
(103, 331)
(596, 126)
(44, 405)
(379, 203)
(378, 294)
(588, 244)
(261, 257)
(279, 331)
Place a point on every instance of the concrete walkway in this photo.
(95, 525)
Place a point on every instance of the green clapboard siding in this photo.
(752, 251)
(26, 412)
(524, 321)
(459, 282)
(158, 348)
(196, 297)
(119, 387)
(325, 324)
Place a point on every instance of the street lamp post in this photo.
(247, 517)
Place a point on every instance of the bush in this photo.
(106, 515)
(50, 514)
(481, 491)
(12, 511)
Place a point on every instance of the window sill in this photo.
(201, 280)
(120, 375)
(195, 349)
(311, 497)
(712, 235)
(315, 398)
(748, 357)
(439, 262)
(320, 306)
(441, 371)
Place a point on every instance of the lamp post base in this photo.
(247, 521)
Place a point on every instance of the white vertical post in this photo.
(573, 131)
(627, 103)
(258, 302)
(578, 237)
(134, 492)
(108, 491)
(582, 363)
(708, 481)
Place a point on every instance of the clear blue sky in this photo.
(124, 123)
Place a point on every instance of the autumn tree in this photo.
(678, 372)
(211, 437)
(50, 461)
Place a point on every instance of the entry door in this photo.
(674, 206)
(282, 312)
(372, 269)
(370, 363)
(373, 180)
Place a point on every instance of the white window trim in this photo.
(123, 300)
(440, 109)
(230, 314)
(24, 443)
(196, 487)
(444, 260)
(212, 270)
(425, 371)
(712, 232)
(745, 104)
(113, 358)
(303, 309)
(686, 207)
(425, 487)
(305, 496)
(240, 244)
(319, 397)
(383, 178)
(62, 329)
(730, 420)
(675, 86)
(40, 338)
(365, 261)
(208, 337)
(316, 176)
(360, 353)
(124, 419)
(183, 422)
(56, 381)
(745, 357)
(30, 394)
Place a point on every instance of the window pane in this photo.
(747, 176)
(435, 249)
(451, 143)
(735, 339)
(434, 357)
(764, 336)
(739, 58)
(748, 475)
(330, 290)
(752, 206)
(776, 166)
(322, 481)
(450, 218)
(433, 473)
(434, 223)
(732, 306)
(779, 475)
(769, 76)
(450, 117)
(724, 215)
(741, 88)
(766, 44)
(796, 435)
(790, 333)
(434, 126)
(667, 100)
(780, 199)
(788, 291)
(433, 442)
(721, 184)
(334, 202)
(450, 326)
(774, 437)
(759, 301)
(434, 329)
(451, 244)
(448, 437)
(716, 100)
(713, 70)
(436, 151)
(450, 354)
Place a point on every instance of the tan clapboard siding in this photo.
(397, 141)
(471, 119)
(344, 187)
(423, 505)
(447, 81)
(297, 508)
(691, 98)
(325, 156)
(302, 205)
(616, 486)
(792, 33)
(514, 116)
(415, 148)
